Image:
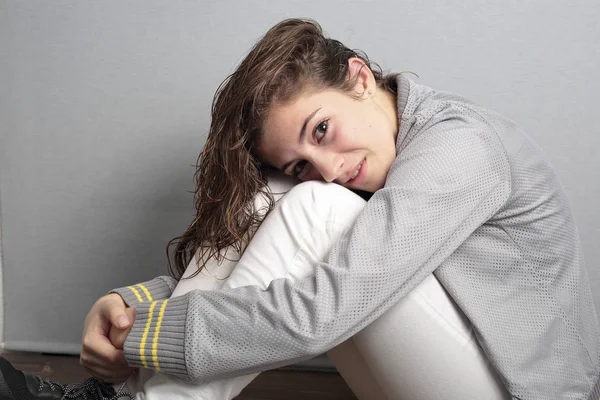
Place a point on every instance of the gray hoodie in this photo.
(470, 198)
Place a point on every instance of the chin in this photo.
(365, 188)
(375, 187)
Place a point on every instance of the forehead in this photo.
(295, 111)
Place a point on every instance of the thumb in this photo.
(116, 315)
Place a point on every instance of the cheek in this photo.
(362, 124)
(348, 133)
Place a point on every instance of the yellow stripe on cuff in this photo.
(137, 294)
(155, 343)
(145, 335)
(145, 291)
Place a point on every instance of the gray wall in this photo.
(104, 106)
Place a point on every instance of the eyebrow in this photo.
(302, 135)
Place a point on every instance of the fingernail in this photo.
(122, 321)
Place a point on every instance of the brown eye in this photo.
(298, 168)
(321, 130)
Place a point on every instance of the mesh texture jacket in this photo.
(469, 198)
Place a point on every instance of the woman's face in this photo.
(328, 135)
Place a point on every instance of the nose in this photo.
(329, 165)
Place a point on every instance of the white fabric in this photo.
(423, 348)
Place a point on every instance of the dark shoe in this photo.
(15, 385)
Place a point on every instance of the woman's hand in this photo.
(98, 355)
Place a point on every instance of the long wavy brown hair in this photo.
(292, 56)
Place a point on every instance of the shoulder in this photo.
(448, 139)
(426, 110)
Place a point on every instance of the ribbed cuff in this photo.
(156, 340)
(156, 289)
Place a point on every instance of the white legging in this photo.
(422, 348)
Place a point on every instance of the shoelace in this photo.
(90, 387)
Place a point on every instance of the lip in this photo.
(361, 173)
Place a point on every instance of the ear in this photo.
(365, 81)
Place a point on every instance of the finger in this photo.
(108, 373)
(100, 366)
(114, 311)
(94, 361)
(118, 337)
(96, 322)
(114, 376)
(110, 376)
(97, 348)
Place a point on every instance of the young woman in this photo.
(457, 191)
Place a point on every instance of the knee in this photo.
(324, 200)
(322, 193)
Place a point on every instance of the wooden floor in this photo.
(284, 384)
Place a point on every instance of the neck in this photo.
(388, 102)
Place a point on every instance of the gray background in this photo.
(104, 107)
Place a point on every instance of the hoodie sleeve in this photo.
(156, 289)
(451, 178)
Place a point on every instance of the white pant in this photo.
(422, 348)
